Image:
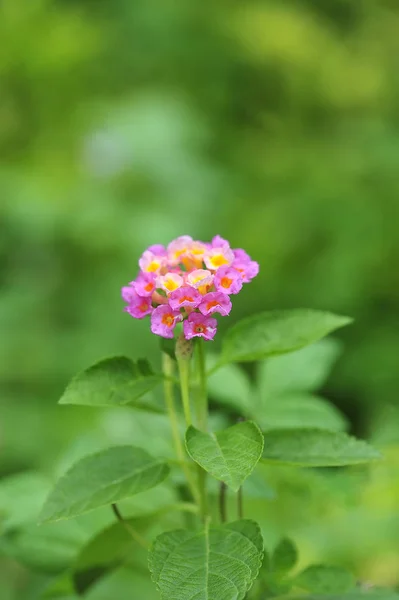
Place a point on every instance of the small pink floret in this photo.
(139, 307)
(164, 320)
(199, 277)
(151, 262)
(169, 282)
(197, 325)
(185, 296)
(215, 302)
(228, 280)
(248, 269)
(128, 292)
(218, 257)
(144, 285)
(178, 248)
(219, 242)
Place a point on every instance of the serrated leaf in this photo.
(301, 410)
(113, 382)
(304, 370)
(316, 448)
(101, 479)
(217, 562)
(323, 579)
(285, 556)
(229, 455)
(277, 332)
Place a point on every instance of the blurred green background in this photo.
(128, 123)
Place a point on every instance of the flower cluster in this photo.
(188, 281)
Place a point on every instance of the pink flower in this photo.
(200, 278)
(128, 292)
(157, 249)
(219, 242)
(228, 280)
(241, 255)
(218, 257)
(198, 325)
(178, 248)
(169, 282)
(185, 296)
(248, 269)
(139, 307)
(151, 262)
(164, 320)
(215, 302)
(144, 285)
(195, 254)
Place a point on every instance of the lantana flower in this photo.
(197, 325)
(188, 281)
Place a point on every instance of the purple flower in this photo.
(138, 306)
(228, 280)
(144, 285)
(215, 302)
(198, 325)
(164, 320)
(185, 296)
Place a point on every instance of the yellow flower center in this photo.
(219, 260)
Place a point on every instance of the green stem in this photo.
(222, 502)
(202, 398)
(168, 368)
(240, 504)
(202, 416)
(184, 371)
(132, 532)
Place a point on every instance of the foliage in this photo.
(273, 123)
(201, 558)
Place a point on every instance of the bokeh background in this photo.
(122, 124)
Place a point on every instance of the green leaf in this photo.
(257, 485)
(123, 584)
(15, 511)
(229, 455)
(284, 556)
(277, 332)
(219, 562)
(352, 595)
(101, 479)
(304, 370)
(50, 548)
(113, 382)
(323, 579)
(301, 410)
(230, 386)
(316, 448)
